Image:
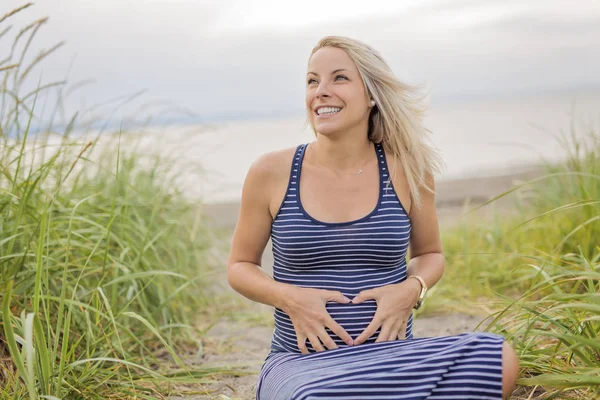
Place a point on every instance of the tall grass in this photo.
(538, 273)
(102, 262)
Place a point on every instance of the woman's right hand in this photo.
(306, 309)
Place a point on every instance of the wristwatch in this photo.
(423, 291)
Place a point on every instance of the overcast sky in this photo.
(237, 58)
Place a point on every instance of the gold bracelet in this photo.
(421, 280)
(423, 291)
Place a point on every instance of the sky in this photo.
(235, 59)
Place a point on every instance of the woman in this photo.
(342, 212)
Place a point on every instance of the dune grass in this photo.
(102, 270)
(104, 266)
(103, 262)
(537, 274)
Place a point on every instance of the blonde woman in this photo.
(342, 212)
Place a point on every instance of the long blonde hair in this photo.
(397, 119)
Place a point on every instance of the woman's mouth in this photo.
(324, 112)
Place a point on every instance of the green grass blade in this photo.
(10, 335)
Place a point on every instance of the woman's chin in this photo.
(327, 129)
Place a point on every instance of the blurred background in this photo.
(503, 76)
(127, 129)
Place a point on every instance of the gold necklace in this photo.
(360, 170)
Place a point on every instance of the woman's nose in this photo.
(322, 90)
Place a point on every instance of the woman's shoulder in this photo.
(273, 162)
(271, 173)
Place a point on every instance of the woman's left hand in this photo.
(394, 305)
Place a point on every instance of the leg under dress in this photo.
(466, 366)
(351, 257)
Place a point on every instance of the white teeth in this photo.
(327, 110)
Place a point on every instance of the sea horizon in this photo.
(483, 138)
(494, 137)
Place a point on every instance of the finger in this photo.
(396, 330)
(327, 340)
(402, 331)
(339, 331)
(367, 333)
(386, 332)
(316, 344)
(332, 295)
(302, 344)
(362, 296)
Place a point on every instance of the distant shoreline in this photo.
(219, 119)
(451, 198)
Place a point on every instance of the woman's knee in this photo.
(510, 370)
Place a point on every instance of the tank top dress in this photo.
(351, 257)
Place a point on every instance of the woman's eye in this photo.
(337, 76)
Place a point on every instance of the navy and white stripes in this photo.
(350, 257)
(462, 367)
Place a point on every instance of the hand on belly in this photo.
(395, 303)
(306, 309)
(354, 318)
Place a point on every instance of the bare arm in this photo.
(250, 237)
(305, 306)
(425, 250)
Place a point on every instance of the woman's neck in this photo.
(341, 155)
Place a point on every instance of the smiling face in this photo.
(336, 100)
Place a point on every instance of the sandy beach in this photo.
(454, 198)
(478, 140)
(180, 154)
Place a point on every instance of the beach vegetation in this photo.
(536, 271)
(103, 261)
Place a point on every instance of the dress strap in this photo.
(388, 191)
(384, 177)
(291, 196)
(293, 186)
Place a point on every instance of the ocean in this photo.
(476, 138)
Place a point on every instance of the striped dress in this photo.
(351, 257)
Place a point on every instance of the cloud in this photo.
(459, 48)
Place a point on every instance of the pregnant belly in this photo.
(353, 318)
